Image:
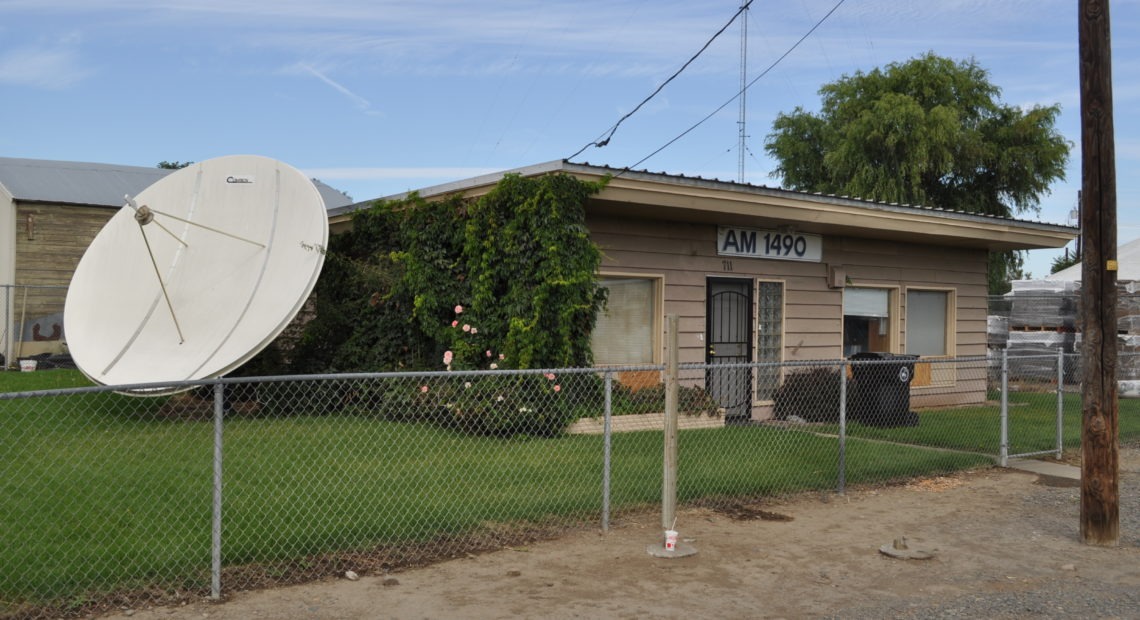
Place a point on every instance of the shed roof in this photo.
(71, 182)
(94, 184)
(645, 194)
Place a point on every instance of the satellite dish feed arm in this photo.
(209, 228)
(144, 215)
(161, 284)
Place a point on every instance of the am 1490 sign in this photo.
(755, 243)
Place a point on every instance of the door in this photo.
(728, 316)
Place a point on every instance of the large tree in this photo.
(929, 131)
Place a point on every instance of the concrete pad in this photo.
(1047, 468)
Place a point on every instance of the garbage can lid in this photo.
(881, 355)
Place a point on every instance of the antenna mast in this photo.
(743, 135)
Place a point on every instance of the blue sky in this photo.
(376, 97)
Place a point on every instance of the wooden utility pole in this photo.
(1100, 476)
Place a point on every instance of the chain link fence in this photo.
(31, 323)
(112, 499)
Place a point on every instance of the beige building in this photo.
(767, 275)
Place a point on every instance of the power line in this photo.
(742, 90)
(604, 139)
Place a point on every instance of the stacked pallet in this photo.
(1038, 317)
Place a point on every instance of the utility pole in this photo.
(1100, 467)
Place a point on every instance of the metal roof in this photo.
(92, 184)
(696, 181)
(70, 182)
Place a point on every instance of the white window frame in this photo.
(894, 312)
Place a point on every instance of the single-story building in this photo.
(49, 213)
(758, 274)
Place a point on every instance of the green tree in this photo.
(1064, 261)
(173, 165)
(929, 131)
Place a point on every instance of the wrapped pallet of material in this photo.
(1033, 355)
(997, 331)
(1043, 304)
(1128, 358)
(1128, 308)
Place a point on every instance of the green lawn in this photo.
(1032, 425)
(101, 492)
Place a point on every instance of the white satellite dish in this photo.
(197, 273)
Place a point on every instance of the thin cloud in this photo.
(361, 103)
(42, 68)
(433, 37)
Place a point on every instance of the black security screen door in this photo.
(728, 325)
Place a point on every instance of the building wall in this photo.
(50, 240)
(685, 255)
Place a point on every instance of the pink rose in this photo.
(488, 353)
(455, 323)
(447, 357)
(458, 309)
(557, 388)
(549, 376)
(423, 389)
(474, 331)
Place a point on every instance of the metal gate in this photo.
(728, 317)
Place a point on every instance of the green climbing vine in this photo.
(518, 261)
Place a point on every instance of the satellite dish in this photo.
(197, 273)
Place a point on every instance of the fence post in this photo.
(7, 327)
(1003, 451)
(842, 428)
(1060, 401)
(670, 546)
(607, 447)
(216, 541)
(669, 474)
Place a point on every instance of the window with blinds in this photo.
(625, 332)
(866, 320)
(927, 322)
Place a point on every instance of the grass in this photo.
(101, 493)
(14, 381)
(1032, 425)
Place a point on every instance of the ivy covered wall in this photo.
(508, 278)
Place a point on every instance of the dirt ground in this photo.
(1000, 533)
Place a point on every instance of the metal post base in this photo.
(681, 550)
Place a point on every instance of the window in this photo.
(866, 320)
(927, 322)
(626, 329)
(769, 337)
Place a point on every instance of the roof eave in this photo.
(648, 194)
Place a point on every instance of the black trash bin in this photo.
(882, 390)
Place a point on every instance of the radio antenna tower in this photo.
(743, 134)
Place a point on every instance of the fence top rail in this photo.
(166, 386)
(441, 374)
